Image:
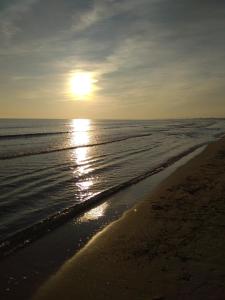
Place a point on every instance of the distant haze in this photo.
(147, 58)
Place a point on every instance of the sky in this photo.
(148, 58)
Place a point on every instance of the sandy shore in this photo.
(170, 246)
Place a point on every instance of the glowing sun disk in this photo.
(82, 84)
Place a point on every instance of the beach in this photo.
(25, 270)
(112, 150)
(170, 246)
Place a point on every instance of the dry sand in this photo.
(171, 246)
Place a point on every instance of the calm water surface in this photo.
(47, 166)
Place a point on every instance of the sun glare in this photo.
(82, 84)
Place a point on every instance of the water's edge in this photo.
(36, 231)
(26, 270)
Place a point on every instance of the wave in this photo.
(219, 135)
(32, 135)
(24, 184)
(17, 155)
(40, 134)
(35, 231)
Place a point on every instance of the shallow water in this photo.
(47, 166)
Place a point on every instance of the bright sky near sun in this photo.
(82, 85)
(132, 59)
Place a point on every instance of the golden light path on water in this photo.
(94, 213)
(81, 136)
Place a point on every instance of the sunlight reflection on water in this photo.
(94, 213)
(81, 136)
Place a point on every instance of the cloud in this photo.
(10, 15)
(102, 10)
(154, 54)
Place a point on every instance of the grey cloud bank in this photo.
(158, 58)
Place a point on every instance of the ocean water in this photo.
(52, 169)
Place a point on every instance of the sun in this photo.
(82, 84)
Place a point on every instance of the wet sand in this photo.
(171, 246)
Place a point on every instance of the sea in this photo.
(51, 170)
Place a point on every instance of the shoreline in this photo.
(170, 246)
(36, 263)
(36, 231)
